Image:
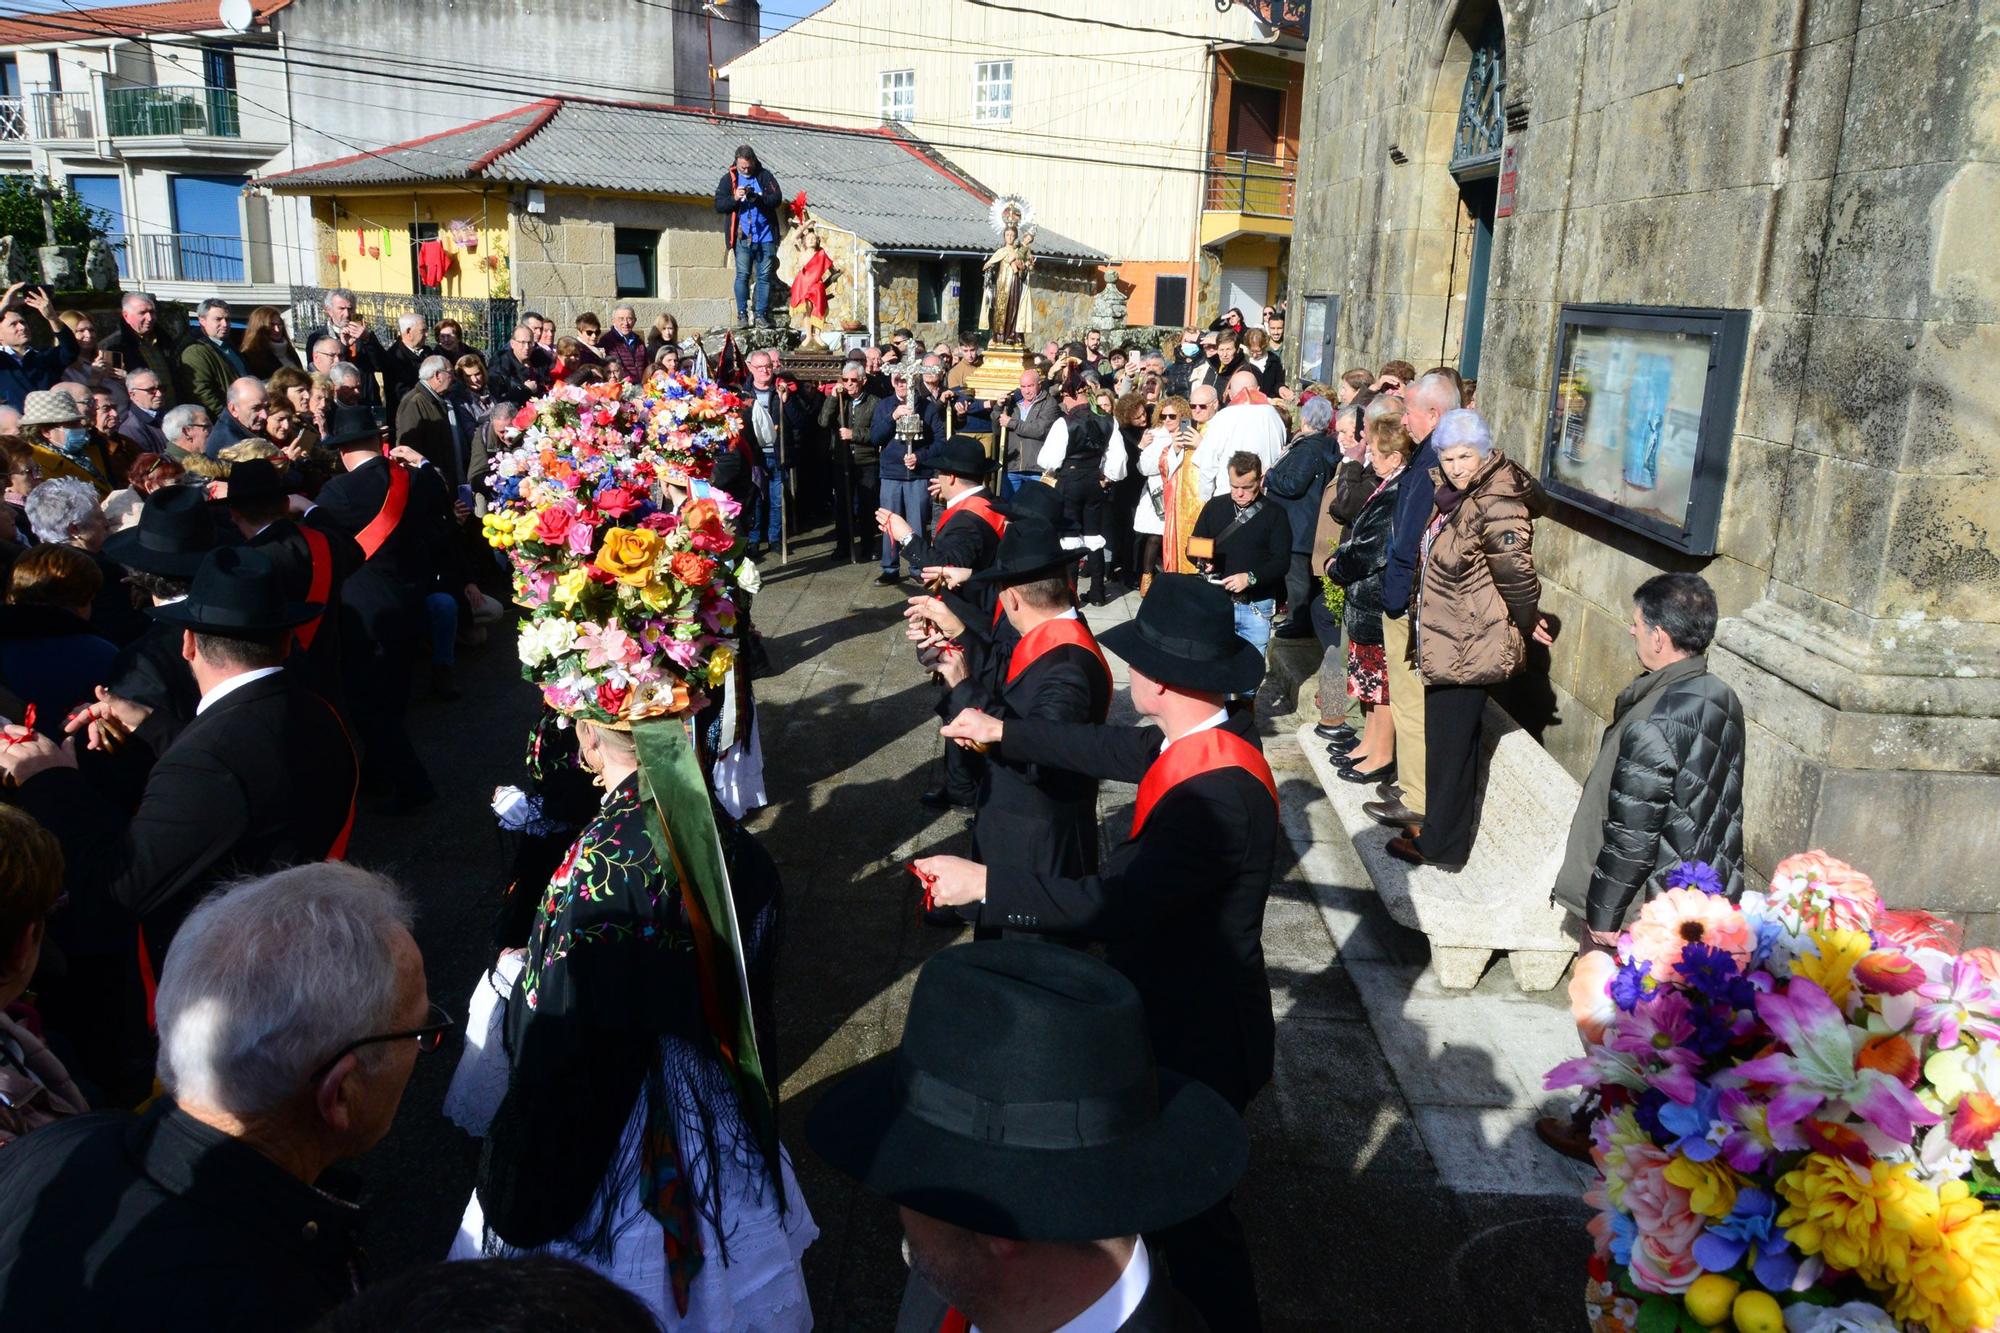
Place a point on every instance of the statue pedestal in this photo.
(998, 372)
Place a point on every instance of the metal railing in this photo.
(486, 322)
(179, 256)
(13, 119)
(1254, 186)
(62, 116)
(163, 110)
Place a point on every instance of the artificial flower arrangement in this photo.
(630, 592)
(1799, 1098)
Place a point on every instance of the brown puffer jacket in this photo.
(1477, 593)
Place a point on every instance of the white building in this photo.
(1161, 132)
(157, 114)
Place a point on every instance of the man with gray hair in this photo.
(141, 342)
(428, 420)
(208, 362)
(186, 429)
(1424, 403)
(404, 359)
(246, 402)
(357, 343)
(347, 387)
(140, 421)
(623, 343)
(291, 1013)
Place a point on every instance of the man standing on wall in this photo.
(749, 195)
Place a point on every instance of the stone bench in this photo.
(1500, 901)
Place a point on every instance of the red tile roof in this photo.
(67, 25)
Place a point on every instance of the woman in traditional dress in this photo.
(1173, 482)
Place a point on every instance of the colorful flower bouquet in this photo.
(629, 590)
(1799, 1099)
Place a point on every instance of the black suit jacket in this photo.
(1032, 816)
(285, 546)
(422, 424)
(399, 371)
(383, 599)
(966, 540)
(1180, 908)
(151, 671)
(1162, 1310)
(263, 779)
(366, 356)
(509, 378)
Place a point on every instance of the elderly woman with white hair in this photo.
(1298, 483)
(1477, 608)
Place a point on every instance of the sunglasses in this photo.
(428, 1038)
(1202, 407)
(1170, 416)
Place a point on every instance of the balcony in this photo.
(157, 112)
(151, 258)
(61, 116)
(1245, 195)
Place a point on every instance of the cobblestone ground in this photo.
(1348, 1215)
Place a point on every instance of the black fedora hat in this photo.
(961, 456)
(1029, 550)
(1185, 635)
(255, 481)
(1023, 1102)
(175, 530)
(348, 425)
(237, 593)
(1033, 498)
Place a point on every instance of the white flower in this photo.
(1853, 1317)
(748, 578)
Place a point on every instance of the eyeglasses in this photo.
(1170, 416)
(1202, 407)
(428, 1038)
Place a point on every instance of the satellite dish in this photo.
(236, 15)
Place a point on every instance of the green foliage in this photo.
(77, 223)
(1334, 595)
(1665, 1314)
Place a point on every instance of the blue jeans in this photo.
(1014, 481)
(769, 525)
(441, 612)
(1253, 622)
(764, 255)
(911, 499)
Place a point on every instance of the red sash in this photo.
(982, 508)
(1204, 752)
(370, 538)
(1048, 636)
(320, 551)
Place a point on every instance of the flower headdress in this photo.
(629, 588)
(1010, 210)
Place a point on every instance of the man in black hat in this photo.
(397, 511)
(1050, 668)
(262, 778)
(160, 554)
(1180, 903)
(313, 559)
(1028, 1140)
(967, 537)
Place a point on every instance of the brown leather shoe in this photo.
(1389, 793)
(1570, 1137)
(1404, 848)
(1393, 813)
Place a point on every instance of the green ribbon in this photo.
(681, 824)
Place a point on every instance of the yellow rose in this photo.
(570, 587)
(720, 663)
(628, 555)
(660, 596)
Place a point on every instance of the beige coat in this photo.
(1478, 594)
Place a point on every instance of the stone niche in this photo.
(1832, 174)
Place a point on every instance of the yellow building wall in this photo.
(363, 240)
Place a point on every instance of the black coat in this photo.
(1358, 563)
(767, 199)
(151, 671)
(263, 779)
(1180, 908)
(383, 600)
(515, 382)
(965, 540)
(422, 422)
(366, 356)
(1667, 787)
(285, 546)
(116, 1221)
(1261, 548)
(1033, 817)
(1298, 483)
(399, 371)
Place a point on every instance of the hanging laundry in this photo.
(433, 263)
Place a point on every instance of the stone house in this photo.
(567, 205)
(1475, 172)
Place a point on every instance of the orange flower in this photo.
(628, 555)
(693, 570)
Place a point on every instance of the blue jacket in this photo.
(1298, 483)
(883, 436)
(1415, 497)
(39, 369)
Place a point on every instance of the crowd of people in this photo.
(229, 556)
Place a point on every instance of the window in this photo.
(637, 252)
(993, 90)
(1169, 301)
(55, 73)
(899, 94)
(10, 77)
(207, 243)
(930, 291)
(218, 67)
(104, 194)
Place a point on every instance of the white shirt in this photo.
(1220, 716)
(1055, 446)
(230, 686)
(1115, 1308)
(962, 495)
(1254, 428)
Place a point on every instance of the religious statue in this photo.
(1006, 311)
(806, 269)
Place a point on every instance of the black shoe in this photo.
(940, 799)
(886, 580)
(1341, 733)
(1292, 630)
(1387, 773)
(1339, 750)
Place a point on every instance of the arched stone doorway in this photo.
(1467, 132)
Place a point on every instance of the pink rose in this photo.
(1663, 1254)
(582, 538)
(1828, 893)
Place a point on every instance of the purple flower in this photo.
(1694, 875)
(1697, 1126)
(1751, 1230)
(1658, 1034)
(1713, 973)
(1628, 987)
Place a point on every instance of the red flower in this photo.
(615, 501)
(552, 525)
(660, 521)
(693, 570)
(525, 417)
(611, 698)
